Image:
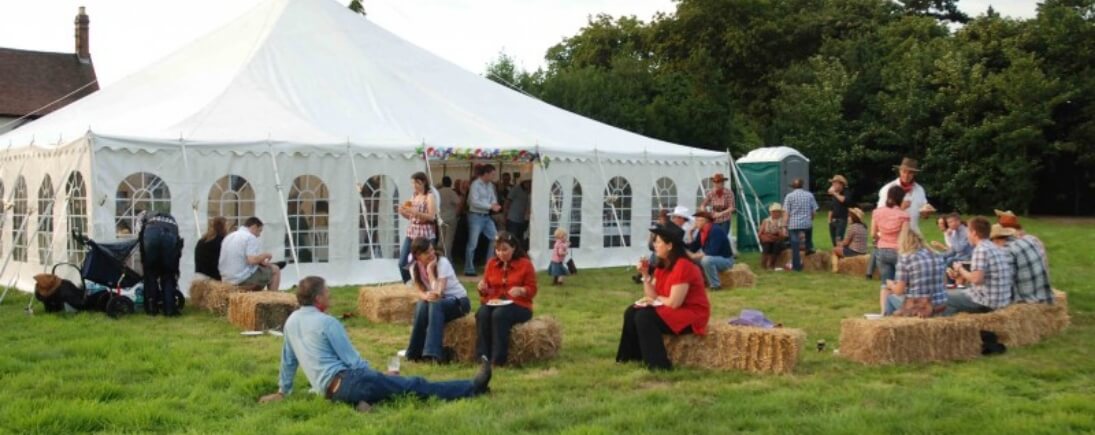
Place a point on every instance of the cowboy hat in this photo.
(682, 212)
(857, 212)
(1001, 213)
(703, 214)
(718, 178)
(775, 207)
(908, 164)
(999, 231)
(669, 232)
(839, 178)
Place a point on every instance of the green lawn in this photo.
(87, 373)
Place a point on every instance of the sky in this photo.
(127, 35)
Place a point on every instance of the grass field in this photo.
(86, 373)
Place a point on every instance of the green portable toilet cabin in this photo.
(769, 171)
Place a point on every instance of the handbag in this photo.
(571, 268)
(916, 307)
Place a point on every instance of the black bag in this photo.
(571, 268)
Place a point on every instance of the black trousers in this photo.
(493, 326)
(641, 339)
(160, 251)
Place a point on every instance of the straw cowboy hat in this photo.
(718, 178)
(775, 207)
(908, 164)
(840, 179)
(857, 212)
(999, 231)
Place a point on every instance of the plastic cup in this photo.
(393, 365)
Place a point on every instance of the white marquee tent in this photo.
(286, 113)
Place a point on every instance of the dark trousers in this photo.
(836, 230)
(428, 330)
(518, 230)
(493, 325)
(797, 237)
(370, 386)
(160, 250)
(641, 339)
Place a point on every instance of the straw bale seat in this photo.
(212, 295)
(738, 276)
(259, 311)
(392, 303)
(538, 339)
(744, 348)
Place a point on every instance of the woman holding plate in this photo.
(674, 302)
(505, 297)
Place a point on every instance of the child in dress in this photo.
(558, 255)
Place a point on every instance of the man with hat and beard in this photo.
(915, 197)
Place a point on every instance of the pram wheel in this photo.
(118, 306)
(180, 302)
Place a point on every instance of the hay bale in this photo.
(898, 340)
(818, 261)
(731, 347)
(259, 311)
(538, 339)
(1020, 325)
(212, 295)
(738, 276)
(1060, 298)
(856, 266)
(393, 303)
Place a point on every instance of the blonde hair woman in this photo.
(918, 285)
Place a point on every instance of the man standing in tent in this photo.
(482, 201)
(800, 207)
(448, 208)
(915, 197)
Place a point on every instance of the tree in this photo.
(356, 6)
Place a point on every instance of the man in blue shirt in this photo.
(318, 344)
(711, 249)
(800, 206)
(482, 201)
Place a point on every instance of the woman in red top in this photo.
(675, 302)
(505, 297)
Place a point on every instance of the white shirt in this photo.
(917, 199)
(235, 249)
(452, 289)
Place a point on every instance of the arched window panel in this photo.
(139, 192)
(565, 211)
(701, 192)
(664, 197)
(555, 211)
(77, 215)
(3, 213)
(616, 215)
(18, 221)
(308, 219)
(378, 223)
(233, 198)
(44, 232)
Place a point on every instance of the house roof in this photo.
(30, 80)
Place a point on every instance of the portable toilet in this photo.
(769, 172)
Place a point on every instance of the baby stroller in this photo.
(106, 269)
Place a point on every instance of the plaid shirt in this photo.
(996, 289)
(420, 228)
(922, 273)
(799, 206)
(1031, 279)
(720, 203)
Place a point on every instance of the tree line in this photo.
(999, 111)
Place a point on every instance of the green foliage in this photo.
(1001, 111)
(356, 6)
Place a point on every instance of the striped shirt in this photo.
(922, 273)
(800, 206)
(1031, 278)
(996, 289)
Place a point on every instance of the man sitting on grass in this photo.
(318, 343)
(991, 275)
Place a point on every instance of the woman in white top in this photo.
(443, 299)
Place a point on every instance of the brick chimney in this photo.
(83, 50)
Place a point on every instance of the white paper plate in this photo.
(872, 316)
(251, 333)
(643, 303)
(499, 302)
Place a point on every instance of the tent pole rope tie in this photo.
(361, 202)
(284, 208)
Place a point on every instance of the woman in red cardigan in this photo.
(505, 297)
(675, 302)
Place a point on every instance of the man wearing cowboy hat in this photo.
(1031, 276)
(720, 202)
(839, 197)
(682, 218)
(990, 275)
(915, 197)
(1007, 219)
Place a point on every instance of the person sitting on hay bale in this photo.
(956, 236)
(773, 236)
(918, 287)
(711, 249)
(317, 343)
(1031, 277)
(855, 237)
(242, 263)
(443, 300)
(207, 252)
(1007, 219)
(674, 302)
(682, 217)
(505, 297)
(990, 275)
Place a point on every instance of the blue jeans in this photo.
(478, 224)
(430, 318)
(493, 327)
(370, 386)
(893, 303)
(958, 301)
(725, 226)
(797, 236)
(712, 265)
(160, 250)
(887, 262)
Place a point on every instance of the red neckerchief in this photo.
(907, 187)
(718, 192)
(703, 234)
